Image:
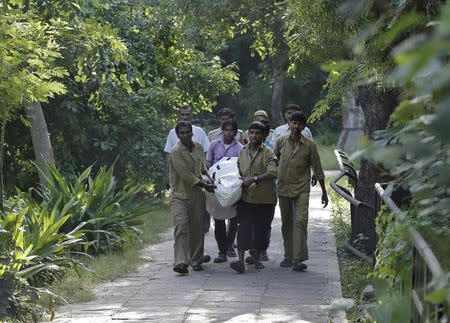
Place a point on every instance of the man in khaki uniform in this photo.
(296, 155)
(258, 167)
(187, 200)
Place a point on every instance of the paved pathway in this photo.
(156, 294)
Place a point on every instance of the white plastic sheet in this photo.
(222, 204)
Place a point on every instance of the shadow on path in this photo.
(156, 294)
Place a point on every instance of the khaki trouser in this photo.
(188, 231)
(294, 226)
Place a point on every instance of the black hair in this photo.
(186, 107)
(298, 116)
(226, 112)
(233, 124)
(197, 122)
(291, 107)
(266, 124)
(257, 125)
(182, 124)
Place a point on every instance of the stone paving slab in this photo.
(156, 294)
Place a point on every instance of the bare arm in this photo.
(324, 193)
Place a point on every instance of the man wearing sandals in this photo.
(187, 200)
(296, 155)
(258, 167)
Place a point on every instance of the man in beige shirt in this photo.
(225, 114)
(187, 200)
(258, 167)
(296, 155)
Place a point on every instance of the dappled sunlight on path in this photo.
(274, 294)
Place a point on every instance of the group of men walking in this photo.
(273, 165)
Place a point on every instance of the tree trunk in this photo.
(41, 139)
(377, 104)
(2, 146)
(277, 94)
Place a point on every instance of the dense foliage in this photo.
(28, 52)
(399, 45)
(89, 215)
(126, 65)
(109, 73)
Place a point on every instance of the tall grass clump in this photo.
(52, 228)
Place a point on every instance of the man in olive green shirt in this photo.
(187, 200)
(258, 167)
(296, 155)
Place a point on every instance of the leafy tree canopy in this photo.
(28, 60)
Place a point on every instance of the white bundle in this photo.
(222, 204)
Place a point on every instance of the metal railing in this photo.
(425, 269)
(348, 169)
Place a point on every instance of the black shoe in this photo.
(204, 259)
(250, 260)
(299, 266)
(286, 263)
(264, 256)
(231, 252)
(221, 258)
(197, 267)
(181, 269)
(259, 265)
(237, 266)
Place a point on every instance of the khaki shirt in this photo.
(294, 166)
(217, 134)
(186, 170)
(263, 162)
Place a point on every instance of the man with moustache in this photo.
(297, 155)
(198, 135)
(187, 200)
(257, 166)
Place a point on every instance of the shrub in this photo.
(112, 216)
(30, 247)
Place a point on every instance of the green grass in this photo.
(73, 288)
(327, 157)
(353, 270)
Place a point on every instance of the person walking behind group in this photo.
(284, 129)
(226, 146)
(296, 155)
(258, 167)
(260, 116)
(187, 200)
(225, 114)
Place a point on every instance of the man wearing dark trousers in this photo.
(226, 146)
(258, 167)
